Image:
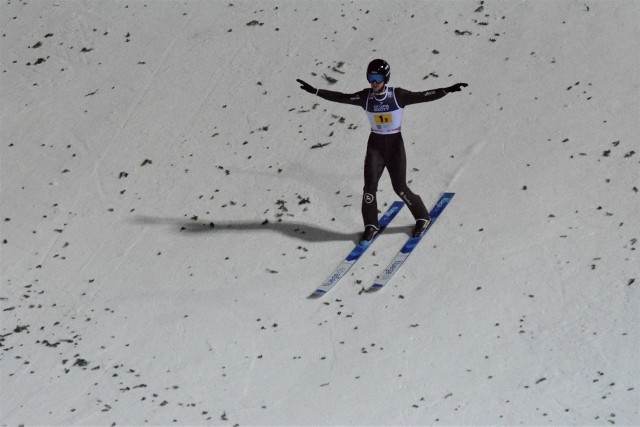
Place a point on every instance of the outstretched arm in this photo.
(406, 97)
(358, 98)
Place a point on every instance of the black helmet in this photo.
(379, 66)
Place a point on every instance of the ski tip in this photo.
(374, 288)
(317, 294)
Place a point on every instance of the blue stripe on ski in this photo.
(410, 245)
(356, 253)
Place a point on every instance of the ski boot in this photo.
(420, 227)
(369, 233)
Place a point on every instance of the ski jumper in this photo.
(385, 148)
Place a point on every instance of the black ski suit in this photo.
(385, 148)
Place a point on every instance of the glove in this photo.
(306, 86)
(455, 88)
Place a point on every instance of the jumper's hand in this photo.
(455, 88)
(306, 86)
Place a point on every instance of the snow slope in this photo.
(169, 197)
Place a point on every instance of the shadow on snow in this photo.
(296, 230)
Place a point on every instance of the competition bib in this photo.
(385, 116)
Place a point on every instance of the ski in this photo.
(356, 253)
(409, 246)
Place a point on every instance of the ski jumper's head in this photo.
(378, 73)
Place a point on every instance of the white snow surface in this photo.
(170, 197)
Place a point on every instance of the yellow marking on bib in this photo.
(383, 119)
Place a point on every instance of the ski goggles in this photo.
(375, 78)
